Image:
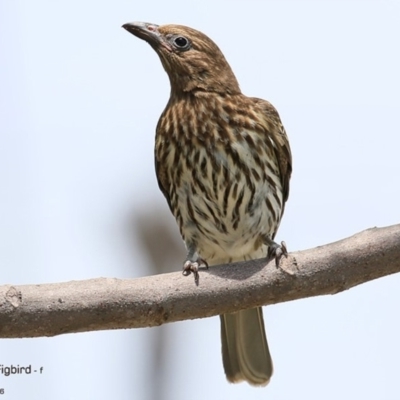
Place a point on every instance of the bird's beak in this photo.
(146, 31)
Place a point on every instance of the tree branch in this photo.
(106, 303)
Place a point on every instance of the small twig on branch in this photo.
(105, 303)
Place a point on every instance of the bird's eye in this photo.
(181, 43)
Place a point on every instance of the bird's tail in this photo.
(245, 350)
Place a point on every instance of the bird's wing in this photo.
(161, 152)
(277, 134)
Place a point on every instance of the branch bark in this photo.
(108, 303)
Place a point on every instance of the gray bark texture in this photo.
(110, 303)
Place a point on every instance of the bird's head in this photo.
(192, 60)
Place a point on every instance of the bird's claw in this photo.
(193, 266)
(276, 251)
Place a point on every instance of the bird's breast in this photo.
(222, 183)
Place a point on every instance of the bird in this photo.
(223, 162)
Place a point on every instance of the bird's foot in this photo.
(277, 251)
(193, 266)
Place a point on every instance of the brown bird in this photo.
(223, 163)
